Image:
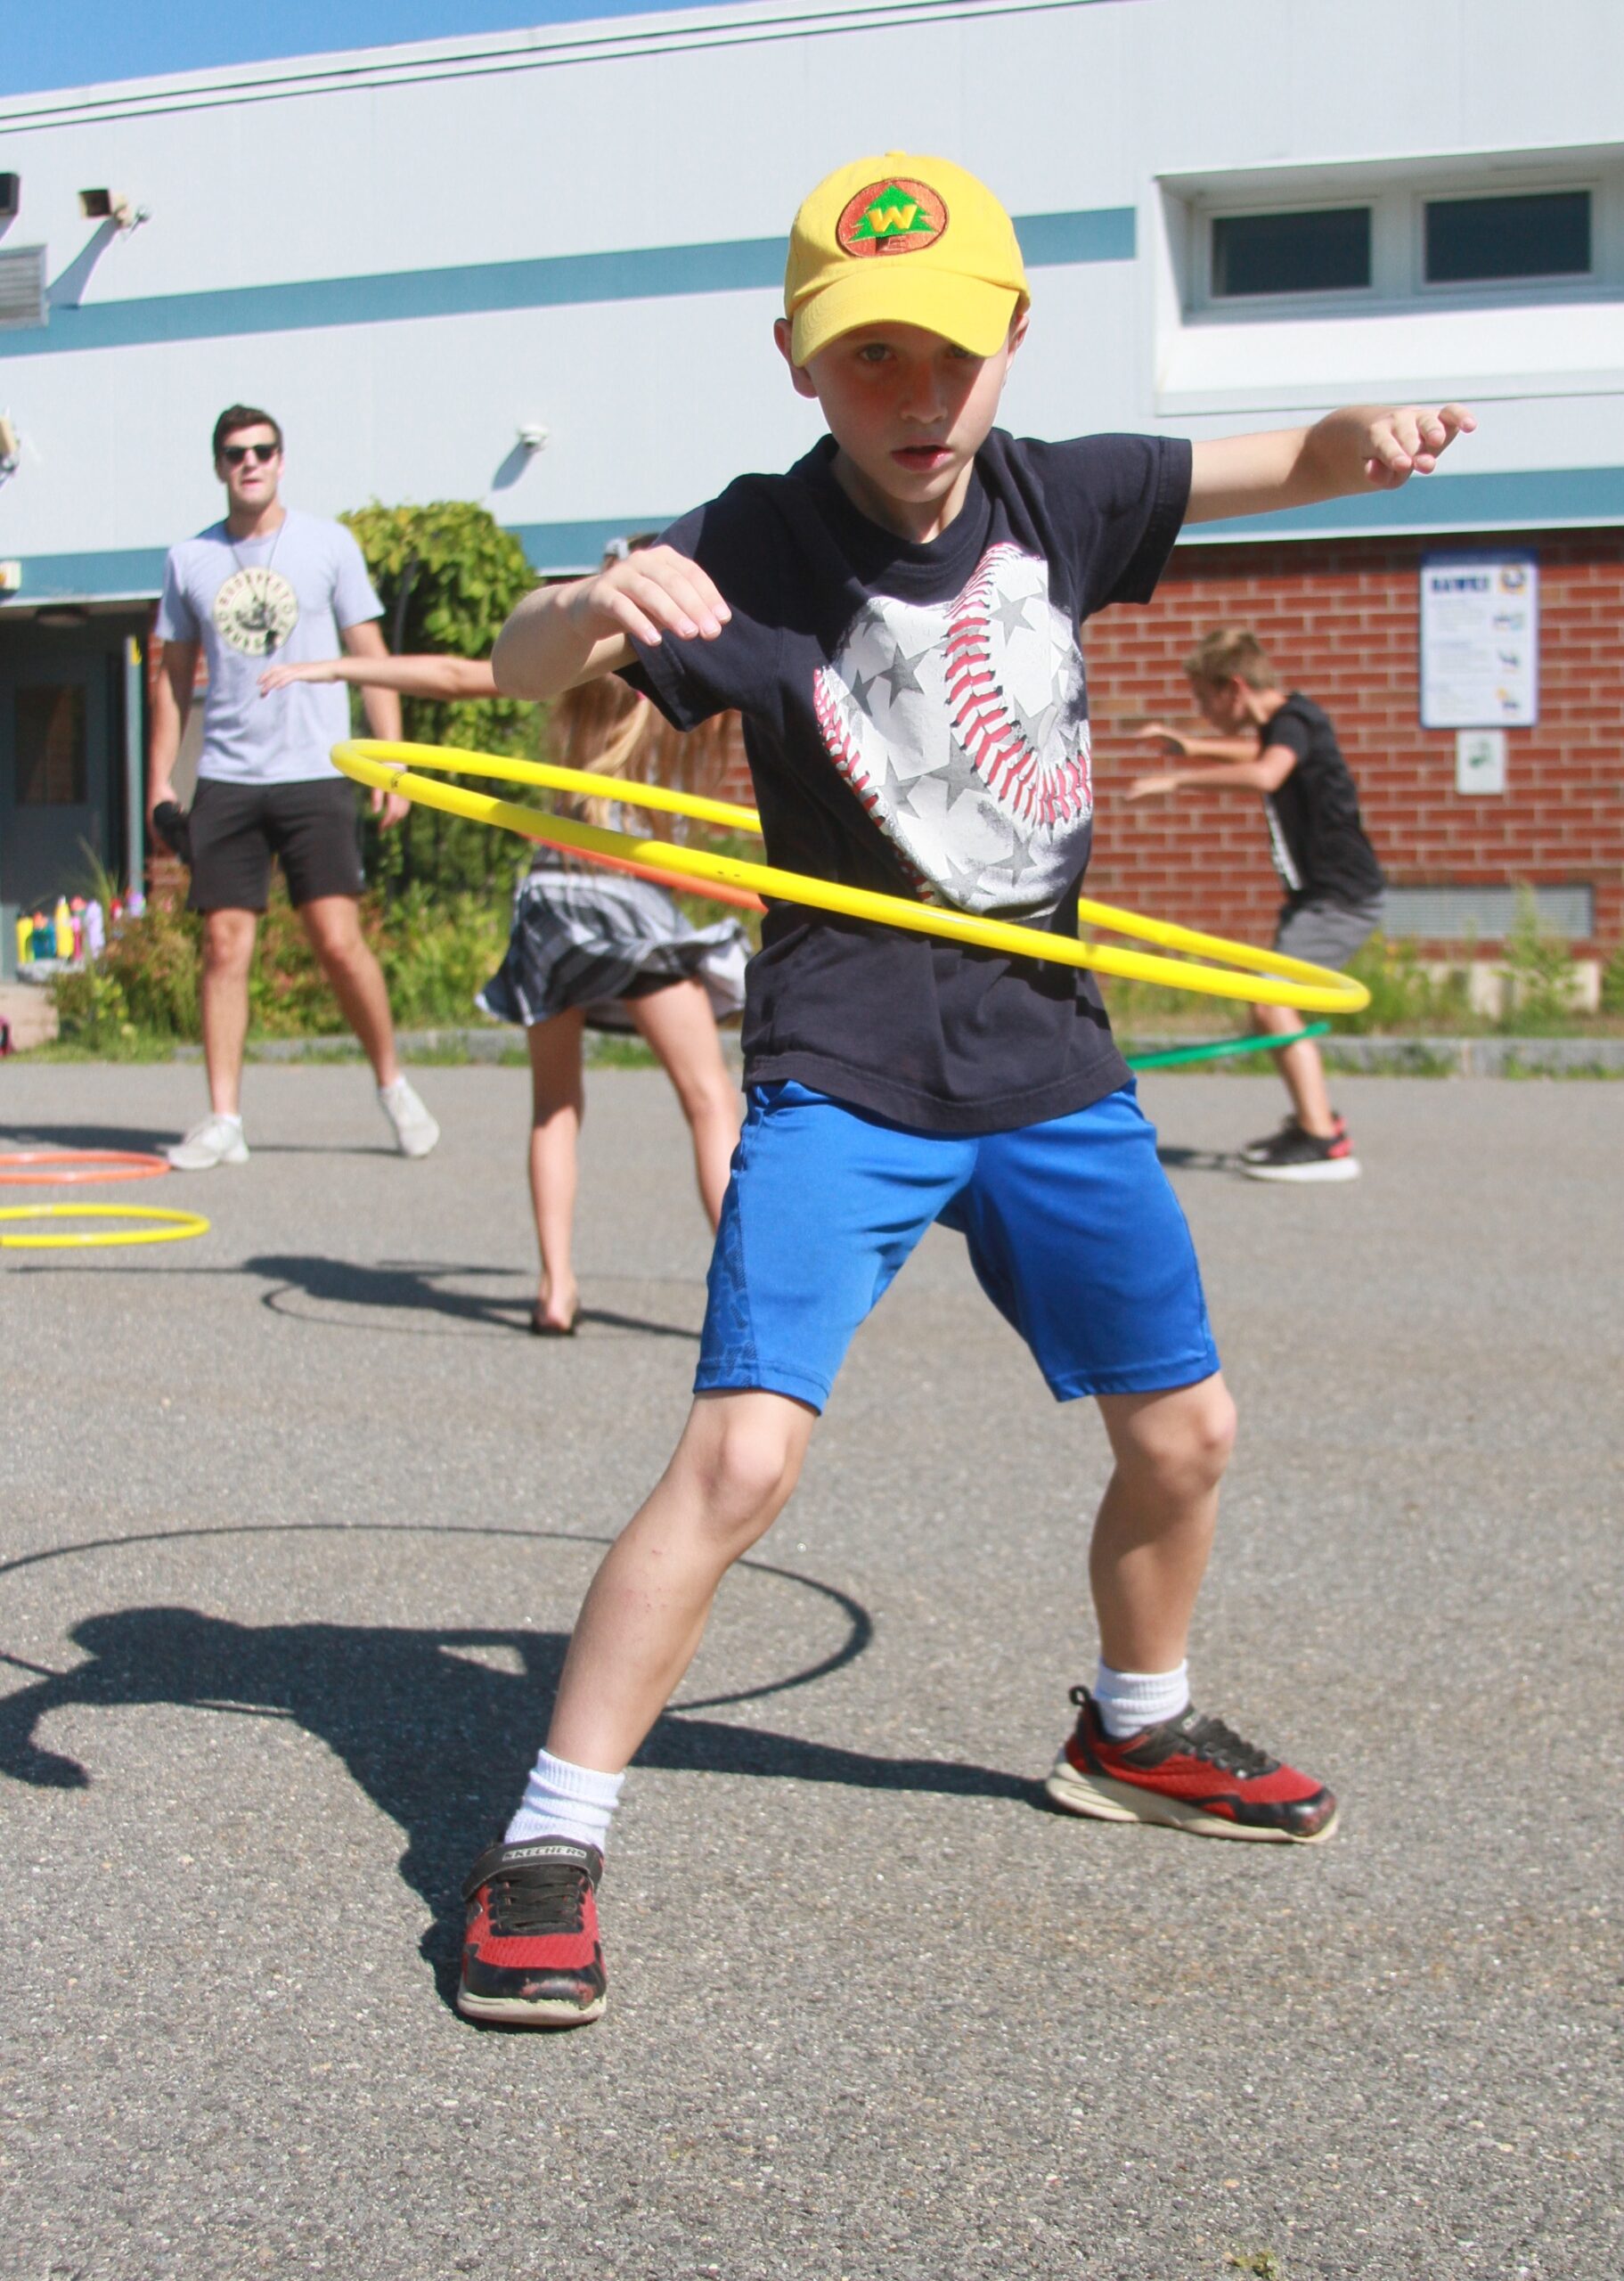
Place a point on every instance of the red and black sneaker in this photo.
(1295, 1154)
(1192, 1773)
(530, 1955)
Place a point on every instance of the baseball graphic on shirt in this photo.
(962, 726)
(255, 610)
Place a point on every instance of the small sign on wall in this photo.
(1479, 760)
(1480, 641)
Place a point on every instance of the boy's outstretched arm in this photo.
(1367, 448)
(559, 636)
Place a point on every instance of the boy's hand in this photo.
(1165, 739)
(653, 592)
(1149, 787)
(1410, 441)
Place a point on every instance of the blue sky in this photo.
(71, 43)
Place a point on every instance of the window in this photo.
(22, 288)
(1485, 914)
(51, 757)
(1539, 234)
(1324, 250)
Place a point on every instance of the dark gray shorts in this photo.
(310, 828)
(1327, 934)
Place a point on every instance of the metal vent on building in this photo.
(22, 288)
(1485, 914)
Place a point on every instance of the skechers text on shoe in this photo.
(1190, 1773)
(531, 1957)
(216, 1141)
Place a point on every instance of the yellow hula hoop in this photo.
(1268, 978)
(186, 1223)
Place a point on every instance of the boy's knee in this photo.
(747, 1455)
(1190, 1435)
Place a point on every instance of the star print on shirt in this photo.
(991, 682)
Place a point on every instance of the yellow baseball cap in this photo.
(901, 239)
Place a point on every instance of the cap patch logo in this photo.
(891, 216)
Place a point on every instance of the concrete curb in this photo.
(1401, 1057)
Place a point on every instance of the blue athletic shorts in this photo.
(1073, 1232)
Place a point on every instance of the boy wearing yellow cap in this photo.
(896, 619)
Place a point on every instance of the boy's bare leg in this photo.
(333, 924)
(1156, 1520)
(678, 1025)
(738, 1458)
(558, 1105)
(222, 996)
(1302, 1068)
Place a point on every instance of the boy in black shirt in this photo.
(1285, 749)
(896, 619)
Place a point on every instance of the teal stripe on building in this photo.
(479, 289)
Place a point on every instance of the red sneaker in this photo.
(1192, 1773)
(530, 1955)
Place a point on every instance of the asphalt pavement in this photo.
(295, 1521)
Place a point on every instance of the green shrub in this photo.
(1540, 978)
(1612, 982)
(1403, 995)
(436, 951)
(448, 576)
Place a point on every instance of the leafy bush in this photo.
(448, 576)
(436, 951)
(1612, 982)
(1540, 980)
(1403, 995)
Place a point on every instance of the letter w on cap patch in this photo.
(891, 216)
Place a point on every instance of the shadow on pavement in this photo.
(415, 1287)
(440, 1741)
(1195, 1160)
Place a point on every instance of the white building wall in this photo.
(630, 136)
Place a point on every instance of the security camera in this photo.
(533, 437)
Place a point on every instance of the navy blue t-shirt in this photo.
(916, 718)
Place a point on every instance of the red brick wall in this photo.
(1340, 620)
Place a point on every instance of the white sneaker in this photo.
(217, 1140)
(415, 1131)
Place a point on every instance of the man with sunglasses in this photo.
(269, 582)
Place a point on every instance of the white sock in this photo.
(228, 1116)
(393, 1086)
(565, 1801)
(1127, 1701)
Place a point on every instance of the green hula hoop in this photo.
(1176, 1056)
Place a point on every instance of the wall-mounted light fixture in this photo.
(533, 437)
(113, 206)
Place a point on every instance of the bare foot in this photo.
(553, 1315)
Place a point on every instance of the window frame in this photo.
(1543, 283)
(1286, 298)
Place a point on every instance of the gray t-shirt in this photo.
(253, 601)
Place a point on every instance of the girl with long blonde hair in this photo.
(593, 948)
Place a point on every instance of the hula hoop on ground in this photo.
(1175, 1056)
(1265, 977)
(186, 1223)
(68, 1167)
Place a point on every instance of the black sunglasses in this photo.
(234, 454)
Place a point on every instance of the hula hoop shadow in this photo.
(439, 1742)
(414, 1287)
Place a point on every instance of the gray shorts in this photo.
(1327, 934)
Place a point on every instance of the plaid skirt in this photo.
(594, 940)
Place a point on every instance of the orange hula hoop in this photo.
(69, 1167)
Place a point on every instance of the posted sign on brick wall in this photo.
(1480, 641)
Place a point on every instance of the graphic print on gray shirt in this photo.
(249, 601)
